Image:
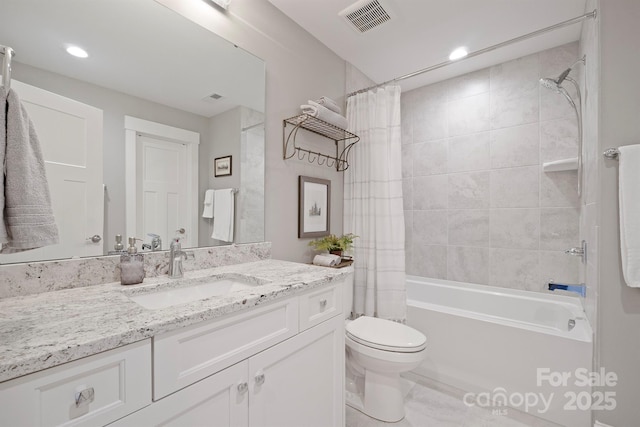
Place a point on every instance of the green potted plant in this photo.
(334, 244)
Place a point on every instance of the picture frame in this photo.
(314, 207)
(222, 166)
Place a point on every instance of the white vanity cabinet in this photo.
(92, 391)
(296, 383)
(279, 364)
(274, 366)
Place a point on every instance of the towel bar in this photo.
(611, 153)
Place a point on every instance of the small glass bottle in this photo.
(131, 265)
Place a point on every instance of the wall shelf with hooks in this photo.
(312, 124)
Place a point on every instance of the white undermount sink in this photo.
(176, 293)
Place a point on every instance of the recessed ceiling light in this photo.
(77, 52)
(458, 53)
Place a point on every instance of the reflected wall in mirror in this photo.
(151, 64)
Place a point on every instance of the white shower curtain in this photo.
(373, 204)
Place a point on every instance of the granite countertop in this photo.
(44, 330)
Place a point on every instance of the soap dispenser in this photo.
(131, 265)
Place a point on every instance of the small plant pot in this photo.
(334, 252)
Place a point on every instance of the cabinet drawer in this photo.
(320, 305)
(188, 355)
(91, 391)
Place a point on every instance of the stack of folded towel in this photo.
(326, 109)
(327, 260)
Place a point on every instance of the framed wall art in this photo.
(222, 166)
(314, 206)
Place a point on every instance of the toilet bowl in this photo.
(377, 352)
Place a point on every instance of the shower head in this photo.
(550, 83)
(556, 84)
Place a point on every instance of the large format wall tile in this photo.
(478, 206)
(515, 187)
(515, 146)
(469, 115)
(515, 228)
(469, 227)
(469, 153)
(515, 268)
(429, 158)
(469, 190)
(467, 264)
(431, 192)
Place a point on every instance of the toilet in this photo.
(377, 352)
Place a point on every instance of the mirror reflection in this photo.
(135, 134)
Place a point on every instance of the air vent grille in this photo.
(366, 15)
(215, 96)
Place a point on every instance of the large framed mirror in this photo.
(130, 133)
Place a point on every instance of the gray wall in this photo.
(298, 68)
(619, 305)
(478, 206)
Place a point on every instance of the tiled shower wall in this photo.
(478, 207)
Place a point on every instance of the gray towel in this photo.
(27, 220)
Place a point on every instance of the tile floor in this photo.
(426, 406)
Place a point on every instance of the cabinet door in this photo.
(300, 382)
(217, 401)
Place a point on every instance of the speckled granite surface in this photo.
(36, 277)
(46, 329)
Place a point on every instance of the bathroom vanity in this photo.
(265, 346)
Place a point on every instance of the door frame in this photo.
(134, 126)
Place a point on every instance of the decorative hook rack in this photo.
(312, 124)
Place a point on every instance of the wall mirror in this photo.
(132, 131)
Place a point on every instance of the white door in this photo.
(70, 134)
(299, 382)
(161, 181)
(161, 187)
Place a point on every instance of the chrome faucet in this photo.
(176, 255)
(580, 289)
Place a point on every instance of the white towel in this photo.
(629, 196)
(207, 212)
(223, 213)
(27, 218)
(327, 260)
(329, 103)
(316, 110)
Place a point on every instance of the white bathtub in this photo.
(492, 342)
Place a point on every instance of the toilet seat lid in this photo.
(385, 334)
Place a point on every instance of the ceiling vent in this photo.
(365, 15)
(215, 96)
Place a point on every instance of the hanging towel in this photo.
(329, 103)
(316, 110)
(629, 196)
(207, 212)
(27, 220)
(223, 213)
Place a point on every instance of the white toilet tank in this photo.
(347, 297)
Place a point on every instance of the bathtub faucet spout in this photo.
(580, 289)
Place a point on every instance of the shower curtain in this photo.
(373, 204)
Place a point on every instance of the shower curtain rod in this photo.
(6, 65)
(562, 24)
